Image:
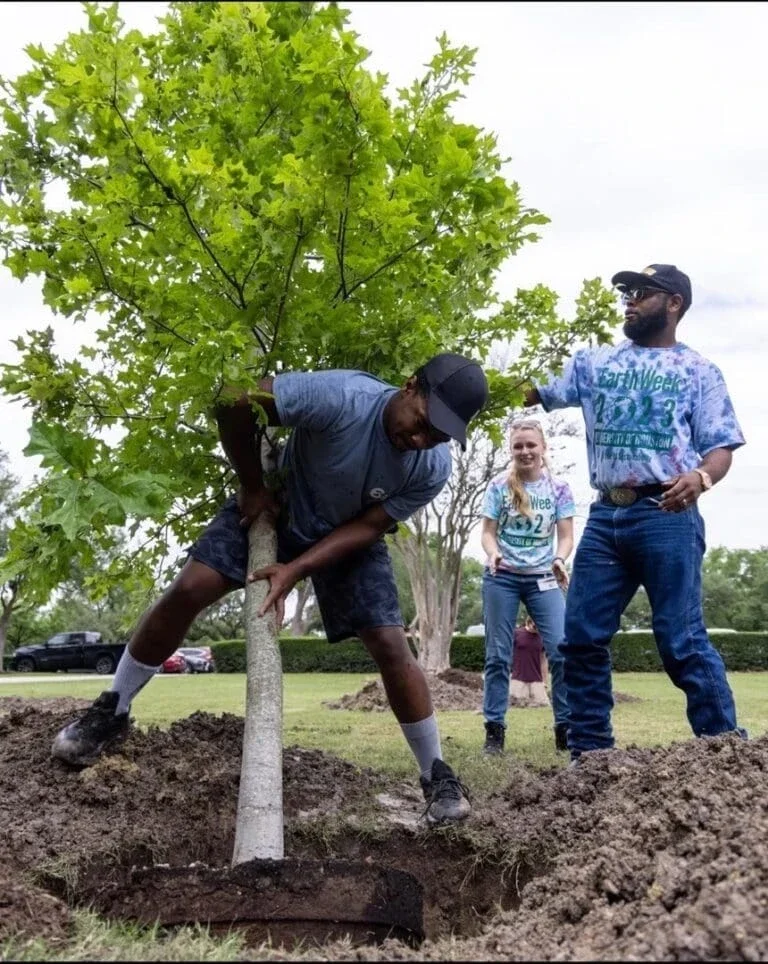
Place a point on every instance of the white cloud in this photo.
(636, 127)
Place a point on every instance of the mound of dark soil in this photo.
(633, 855)
(453, 689)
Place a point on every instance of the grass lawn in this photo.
(374, 738)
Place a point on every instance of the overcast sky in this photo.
(638, 128)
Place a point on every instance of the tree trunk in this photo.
(439, 615)
(435, 582)
(259, 828)
(298, 622)
(5, 618)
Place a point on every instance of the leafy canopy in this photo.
(234, 195)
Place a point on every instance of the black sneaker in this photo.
(494, 739)
(82, 742)
(561, 736)
(447, 797)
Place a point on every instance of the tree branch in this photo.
(169, 192)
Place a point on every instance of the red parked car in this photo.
(174, 664)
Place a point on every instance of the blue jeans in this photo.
(502, 595)
(621, 549)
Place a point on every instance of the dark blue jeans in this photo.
(502, 595)
(621, 549)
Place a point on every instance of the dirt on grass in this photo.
(453, 689)
(635, 854)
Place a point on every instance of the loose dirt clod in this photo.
(634, 855)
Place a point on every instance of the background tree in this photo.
(432, 543)
(232, 196)
(734, 591)
(735, 588)
(222, 620)
(306, 615)
(637, 615)
(470, 608)
(10, 585)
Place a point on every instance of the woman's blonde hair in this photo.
(520, 501)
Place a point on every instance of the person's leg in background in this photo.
(547, 609)
(501, 601)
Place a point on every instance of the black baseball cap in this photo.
(456, 391)
(665, 277)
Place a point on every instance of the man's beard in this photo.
(642, 327)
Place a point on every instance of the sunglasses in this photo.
(525, 423)
(640, 294)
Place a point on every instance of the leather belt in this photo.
(624, 495)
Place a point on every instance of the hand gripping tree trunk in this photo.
(259, 829)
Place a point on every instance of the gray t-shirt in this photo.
(339, 459)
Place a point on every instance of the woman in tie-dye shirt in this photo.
(524, 509)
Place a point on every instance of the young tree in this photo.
(233, 196)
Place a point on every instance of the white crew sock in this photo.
(131, 676)
(424, 740)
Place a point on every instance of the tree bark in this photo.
(8, 605)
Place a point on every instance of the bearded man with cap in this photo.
(362, 457)
(660, 431)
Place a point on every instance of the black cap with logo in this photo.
(665, 277)
(457, 390)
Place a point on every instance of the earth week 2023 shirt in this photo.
(526, 542)
(650, 413)
(339, 460)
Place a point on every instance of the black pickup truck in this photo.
(80, 650)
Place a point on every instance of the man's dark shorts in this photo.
(357, 593)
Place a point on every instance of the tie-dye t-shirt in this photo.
(650, 413)
(526, 544)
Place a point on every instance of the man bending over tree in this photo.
(362, 456)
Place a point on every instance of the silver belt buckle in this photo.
(622, 496)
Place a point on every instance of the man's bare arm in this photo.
(358, 533)
(237, 425)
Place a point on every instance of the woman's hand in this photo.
(494, 558)
(560, 573)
